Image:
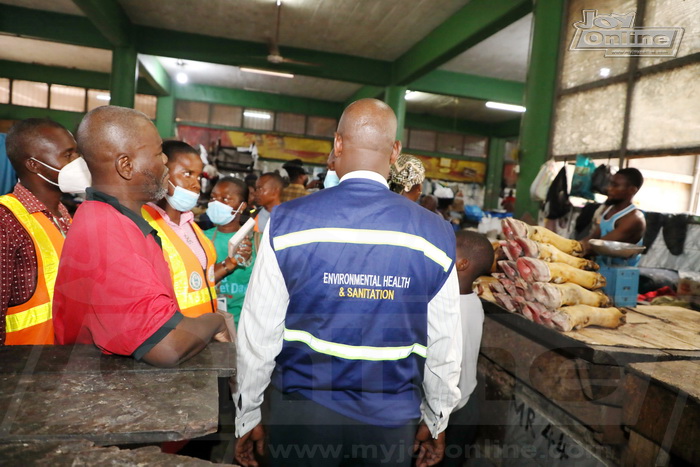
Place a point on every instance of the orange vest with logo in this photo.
(194, 287)
(31, 323)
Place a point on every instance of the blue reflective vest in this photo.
(360, 264)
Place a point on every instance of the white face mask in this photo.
(73, 178)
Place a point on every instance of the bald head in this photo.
(366, 138)
(108, 131)
(124, 152)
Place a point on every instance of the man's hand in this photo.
(430, 450)
(244, 448)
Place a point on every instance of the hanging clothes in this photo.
(557, 203)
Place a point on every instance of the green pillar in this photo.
(123, 78)
(395, 97)
(539, 99)
(494, 173)
(165, 116)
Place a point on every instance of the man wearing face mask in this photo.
(190, 255)
(33, 225)
(228, 203)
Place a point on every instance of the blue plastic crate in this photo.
(622, 284)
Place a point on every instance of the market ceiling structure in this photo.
(455, 53)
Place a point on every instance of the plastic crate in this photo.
(622, 284)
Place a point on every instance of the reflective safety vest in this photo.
(30, 323)
(360, 264)
(193, 287)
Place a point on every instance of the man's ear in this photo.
(124, 166)
(337, 145)
(31, 165)
(462, 264)
(395, 151)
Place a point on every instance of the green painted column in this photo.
(165, 116)
(540, 96)
(494, 173)
(395, 96)
(123, 78)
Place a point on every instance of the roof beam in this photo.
(65, 76)
(81, 31)
(55, 27)
(210, 49)
(152, 71)
(473, 23)
(470, 86)
(258, 100)
(109, 18)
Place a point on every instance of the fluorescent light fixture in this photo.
(181, 77)
(279, 2)
(254, 114)
(410, 95)
(267, 72)
(605, 72)
(102, 97)
(502, 106)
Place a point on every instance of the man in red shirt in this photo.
(114, 287)
(33, 224)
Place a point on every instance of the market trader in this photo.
(33, 224)
(353, 308)
(113, 287)
(189, 253)
(622, 221)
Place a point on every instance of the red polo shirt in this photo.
(113, 287)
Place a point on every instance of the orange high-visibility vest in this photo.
(193, 286)
(31, 322)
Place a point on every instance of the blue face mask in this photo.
(220, 213)
(182, 200)
(331, 179)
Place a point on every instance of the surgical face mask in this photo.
(220, 213)
(331, 179)
(73, 178)
(183, 200)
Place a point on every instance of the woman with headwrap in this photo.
(406, 176)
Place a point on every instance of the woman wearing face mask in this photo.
(189, 253)
(228, 204)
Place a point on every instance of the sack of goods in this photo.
(543, 277)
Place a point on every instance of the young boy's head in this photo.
(474, 258)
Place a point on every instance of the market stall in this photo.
(568, 392)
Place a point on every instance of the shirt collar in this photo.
(32, 203)
(144, 227)
(366, 174)
(185, 217)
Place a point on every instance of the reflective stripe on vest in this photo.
(195, 294)
(353, 352)
(30, 323)
(365, 237)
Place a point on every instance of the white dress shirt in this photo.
(261, 329)
(472, 315)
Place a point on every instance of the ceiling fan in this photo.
(274, 55)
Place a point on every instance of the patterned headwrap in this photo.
(407, 172)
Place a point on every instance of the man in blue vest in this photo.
(352, 314)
